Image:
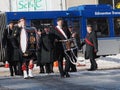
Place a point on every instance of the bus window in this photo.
(100, 25)
(76, 26)
(40, 23)
(117, 26)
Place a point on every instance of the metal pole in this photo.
(113, 2)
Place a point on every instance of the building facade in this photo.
(41, 5)
(4, 5)
(71, 3)
(50, 5)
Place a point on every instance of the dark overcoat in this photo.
(90, 51)
(46, 48)
(6, 43)
(17, 54)
(58, 45)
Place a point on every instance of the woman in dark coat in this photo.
(7, 42)
(91, 47)
(45, 52)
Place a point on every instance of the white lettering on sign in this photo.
(102, 13)
(107, 13)
(28, 5)
(115, 13)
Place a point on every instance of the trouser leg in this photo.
(72, 66)
(51, 67)
(47, 67)
(11, 69)
(19, 68)
(93, 64)
(42, 68)
(15, 68)
(60, 66)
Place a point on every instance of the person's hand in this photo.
(39, 32)
(95, 50)
(74, 35)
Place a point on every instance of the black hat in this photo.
(60, 19)
(70, 26)
(11, 22)
(22, 18)
(89, 25)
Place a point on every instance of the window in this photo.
(110, 2)
(76, 26)
(105, 2)
(117, 26)
(100, 25)
(40, 23)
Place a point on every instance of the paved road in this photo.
(82, 80)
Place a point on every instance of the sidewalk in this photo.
(108, 62)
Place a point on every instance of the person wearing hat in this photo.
(45, 52)
(91, 47)
(73, 34)
(61, 33)
(7, 43)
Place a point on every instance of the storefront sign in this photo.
(28, 5)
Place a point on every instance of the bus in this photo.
(105, 21)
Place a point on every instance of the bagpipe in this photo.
(69, 46)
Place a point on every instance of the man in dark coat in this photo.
(17, 55)
(91, 47)
(61, 33)
(28, 53)
(7, 42)
(45, 53)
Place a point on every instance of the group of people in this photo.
(49, 49)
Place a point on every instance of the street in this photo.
(81, 80)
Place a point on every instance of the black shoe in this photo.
(11, 75)
(26, 78)
(62, 76)
(67, 75)
(41, 72)
(73, 70)
(91, 69)
(31, 77)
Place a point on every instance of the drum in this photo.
(69, 44)
(28, 40)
